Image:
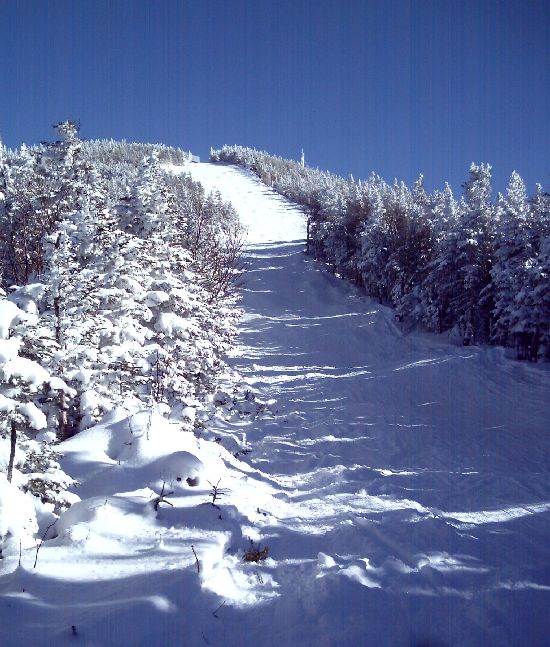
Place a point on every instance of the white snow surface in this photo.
(35, 417)
(401, 484)
(25, 369)
(9, 348)
(9, 313)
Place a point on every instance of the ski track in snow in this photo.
(401, 484)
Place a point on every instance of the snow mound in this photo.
(106, 517)
(179, 469)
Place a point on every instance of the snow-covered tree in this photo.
(512, 253)
(476, 233)
(440, 283)
(528, 313)
(28, 398)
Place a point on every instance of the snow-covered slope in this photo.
(400, 483)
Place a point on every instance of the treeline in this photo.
(118, 282)
(470, 265)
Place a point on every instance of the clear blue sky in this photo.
(395, 86)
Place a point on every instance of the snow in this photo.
(9, 349)
(170, 323)
(46, 437)
(17, 516)
(57, 384)
(400, 483)
(7, 404)
(35, 417)
(25, 369)
(9, 313)
(155, 297)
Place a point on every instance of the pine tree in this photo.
(513, 250)
(440, 283)
(474, 300)
(529, 314)
(28, 393)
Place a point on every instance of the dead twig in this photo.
(216, 493)
(255, 553)
(196, 559)
(42, 541)
(162, 498)
(215, 612)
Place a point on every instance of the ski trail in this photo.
(404, 464)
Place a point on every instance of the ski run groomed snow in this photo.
(400, 483)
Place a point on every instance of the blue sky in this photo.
(394, 86)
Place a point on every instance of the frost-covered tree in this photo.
(23, 221)
(28, 396)
(121, 278)
(476, 233)
(512, 254)
(133, 276)
(210, 231)
(440, 283)
(528, 313)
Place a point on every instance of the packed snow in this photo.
(396, 489)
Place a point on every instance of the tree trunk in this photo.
(13, 443)
(57, 312)
(62, 399)
(63, 417)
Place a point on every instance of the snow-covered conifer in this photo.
(473, 300)
(28, 398)
(512, 254)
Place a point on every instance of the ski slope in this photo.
(418, 468)
(401, 484)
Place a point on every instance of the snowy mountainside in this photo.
(397, 491)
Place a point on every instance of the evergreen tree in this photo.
(440, 283)
(474, 300)
(512, 253)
